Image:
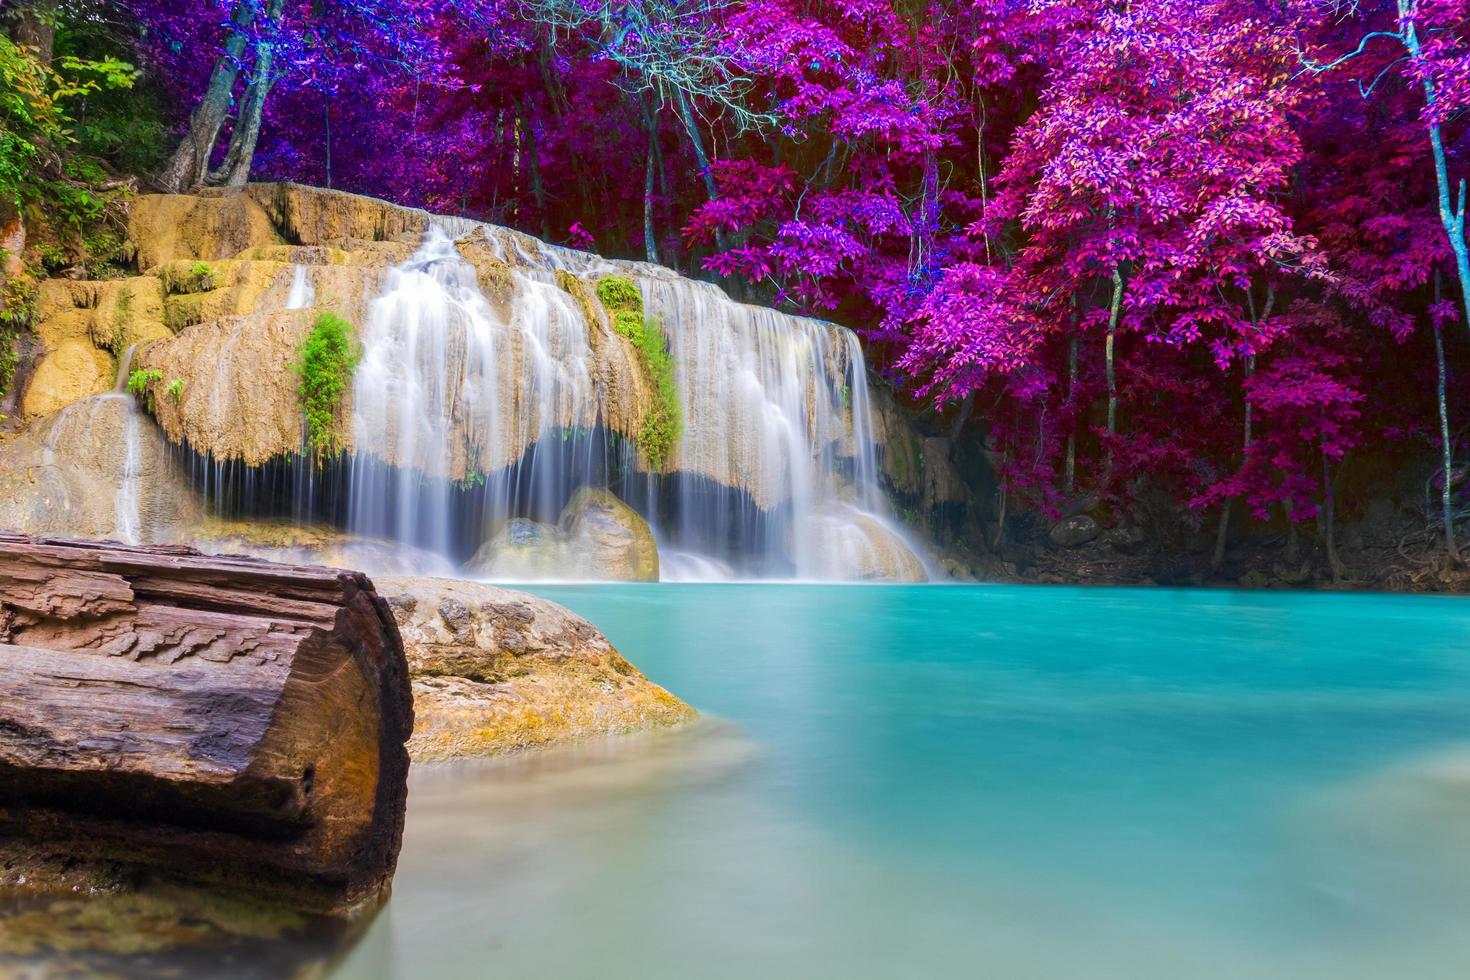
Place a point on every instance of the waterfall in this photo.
(485, 394)
(127, 513)
(453, 394)
(126, 499)
(111, 473)
(303, 294)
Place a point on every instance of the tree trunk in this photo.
(235, 171)
(1446, 452)
(701, 158)
(650, 242)
(1329, 520)
(186, 169)
(1451, 216)
(215, 719)
(538, 190)
(33, 25)
(1070, 482)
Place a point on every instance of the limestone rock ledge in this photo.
(497, 671)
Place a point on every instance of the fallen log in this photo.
(215, 719)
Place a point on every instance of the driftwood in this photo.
(216, 719)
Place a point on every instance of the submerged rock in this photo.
(496, 671)
(306, 544)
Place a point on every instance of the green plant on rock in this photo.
(327, 358)
(175, 388)
(203, 276)
(17, 309)
(141, 382)
(663, 423)
(619, 294)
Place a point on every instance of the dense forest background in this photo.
(1205, 256)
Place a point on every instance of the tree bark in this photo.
(218, 720)
(1447, 460)
(235, 171)
(33, 25)
(1451, 215)
(188, 166)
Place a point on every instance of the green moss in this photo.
(663, 423)
(619, 294)
(17, 310)
(175, 388)
(182, 278)
(180, 312)
(141, 382)
(327, 358)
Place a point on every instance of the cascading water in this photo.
(126, 504)
(469, 411)
(302, 294)
(454, 394)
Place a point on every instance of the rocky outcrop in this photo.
(223, 720)
(484, 353)
(308, 544)
(1073, 532)
(98, 468)
(855, 545)
(496, 671)
(598, 537)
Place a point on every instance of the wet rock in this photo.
(496, 671)
(849, 543)
(611, 536)
(1126, 540)
(99, 468)
(599, 537)
(1074, 531)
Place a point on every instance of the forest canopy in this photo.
(1205, 251)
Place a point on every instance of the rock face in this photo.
(223, 720)
(487, 364)
(98, 468)
(598, 537)
(496, 671)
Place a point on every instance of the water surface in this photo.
(978, 781)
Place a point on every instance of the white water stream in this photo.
(776, 470)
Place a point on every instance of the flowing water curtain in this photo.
(489, 380)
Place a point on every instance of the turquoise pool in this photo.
(972, 782)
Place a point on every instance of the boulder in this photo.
(1074, 532)
(526, 551)
(609, 537)
(496, 671)
(846, 542)
(599, 537)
